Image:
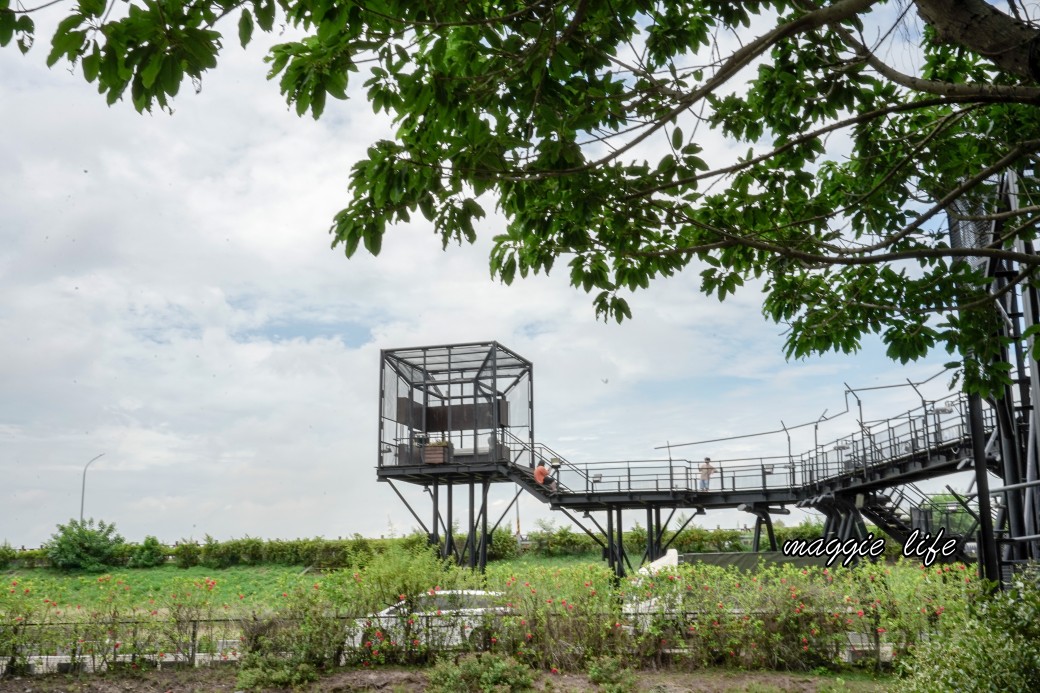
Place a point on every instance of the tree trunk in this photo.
(1010, 44)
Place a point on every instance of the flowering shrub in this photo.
(557, 616)
(989, 645)
(396, 609)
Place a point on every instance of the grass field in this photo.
(245, 585)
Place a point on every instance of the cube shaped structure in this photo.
(455, 404)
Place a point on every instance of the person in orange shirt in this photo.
(541, 476)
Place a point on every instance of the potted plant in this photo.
(437, 452)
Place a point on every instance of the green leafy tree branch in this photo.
(584, 124)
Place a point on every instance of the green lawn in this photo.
(251, 585)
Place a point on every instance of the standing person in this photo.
(707, 469)
(541, 476)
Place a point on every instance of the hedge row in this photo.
(548, 541)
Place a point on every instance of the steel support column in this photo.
(484, 526)
(989, 562)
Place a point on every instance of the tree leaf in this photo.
(245, 28)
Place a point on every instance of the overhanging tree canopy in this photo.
(859, 124)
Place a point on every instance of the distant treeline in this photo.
(85, 548)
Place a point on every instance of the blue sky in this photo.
(171, 301)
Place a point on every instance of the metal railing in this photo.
(934, 429)
(543, 453)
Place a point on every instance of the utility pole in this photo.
(83, 488)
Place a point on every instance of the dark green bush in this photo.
(187, 553)
(611, 675)
(995, 646)
(807, 529)
(361, 550)
(246, 551)
(413, 541)
(503, 546)
(84, 546)
(549, 540)
(217, 554)
(148, 554)
(258, 672)
(32, 558)
(700, 540)
(480, 673)
(7, 555)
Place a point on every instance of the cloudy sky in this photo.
(170, 299)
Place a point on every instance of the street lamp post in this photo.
(83, 488)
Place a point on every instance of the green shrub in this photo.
(611, 675)
(700, 540)
(217, 555)
(411, 542)
(503, 546)
(480, 673)
(994, 646)
(84, 546)
(550, 540)
(258, 672)
(7, 555)
(147, 554)
(187, 553)
(32, 558)
(361, 550)
(245, 551)
(807, 529)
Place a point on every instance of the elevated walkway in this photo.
(916, 445)
(462, 415)
(913, 446)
